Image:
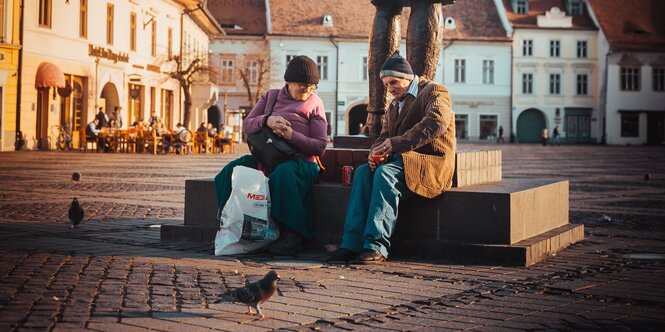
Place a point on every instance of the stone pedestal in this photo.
(509, 222)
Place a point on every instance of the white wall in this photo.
(644, 100)
(474, 98)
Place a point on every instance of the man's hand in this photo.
(382, 150)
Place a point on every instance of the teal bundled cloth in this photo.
(292, 201)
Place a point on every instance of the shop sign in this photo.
(107, 53)
(153, 68)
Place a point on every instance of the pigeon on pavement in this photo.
(76, 176)
(75, 213)
(256, 293)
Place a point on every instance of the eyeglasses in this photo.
(308, 86)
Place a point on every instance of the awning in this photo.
(49, 75)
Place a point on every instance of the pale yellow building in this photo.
(9, 63)
(83, 55)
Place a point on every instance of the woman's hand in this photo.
(285, 132)
(276, 122)
(280, 126)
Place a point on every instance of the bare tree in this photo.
(262, 76)
(196, 71)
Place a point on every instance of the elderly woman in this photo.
(297, 116)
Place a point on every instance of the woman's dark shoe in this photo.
(369, 256)
(341, 255)
(288, 244)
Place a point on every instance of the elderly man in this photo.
(415, 153)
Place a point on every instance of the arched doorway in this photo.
(530, 124)
(357, 118)
(110, 96)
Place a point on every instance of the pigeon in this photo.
(76, 176)
(75, 213)
(256, 293)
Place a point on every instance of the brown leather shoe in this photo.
(369, 256)
(341, 255)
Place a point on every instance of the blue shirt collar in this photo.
(413, 88)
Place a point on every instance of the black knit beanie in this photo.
(397, 66)
(302, 69)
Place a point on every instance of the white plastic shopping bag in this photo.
(245, 224)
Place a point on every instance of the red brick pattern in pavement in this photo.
(114, 273)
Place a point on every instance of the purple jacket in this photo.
(307, 118)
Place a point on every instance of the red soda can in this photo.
(347, 175)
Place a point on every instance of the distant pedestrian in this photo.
(500, 138)
(544, 136)
(555, 136)
(117, 116)
(103, 118)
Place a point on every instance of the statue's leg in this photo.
(424, 37)
(383, 41)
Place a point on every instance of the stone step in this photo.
(504, 213)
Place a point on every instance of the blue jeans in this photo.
(372, 211)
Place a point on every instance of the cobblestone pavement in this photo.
(114, 274)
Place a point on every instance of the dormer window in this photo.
(575, 8)
(327, 20)
(521, 7)
(449, 23)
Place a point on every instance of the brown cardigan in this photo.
(424, 133)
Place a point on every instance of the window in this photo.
(487, 126)
(461, 126)
(575, 8)
(132, 31)
(169, 47)
(227, 71)
(555, 46)
(322, 63)
(153, 96)
(521, 6)
(109, 23)
(459, 71)
(555, 84)
(581, 49)
(45, 13)
(659, 79)
(253, 70)
(527, 83)
(527, 47)
(488, 71)
(630, 78)
(582, 84)
(153, 38)
(83, 19)
(364, 69)
(630, 124)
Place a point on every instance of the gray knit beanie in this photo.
(397, 66)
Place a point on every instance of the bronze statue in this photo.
(423, 44)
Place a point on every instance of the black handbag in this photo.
(269, 149)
